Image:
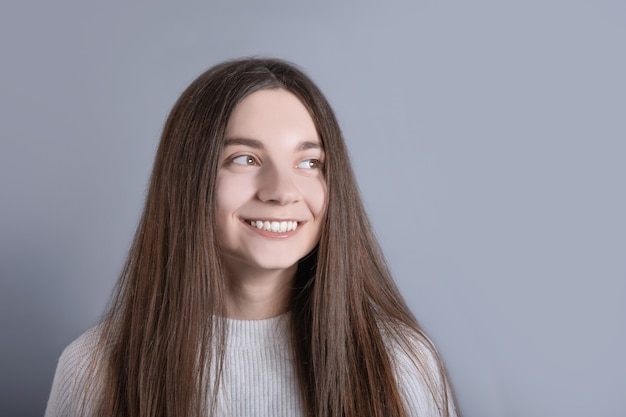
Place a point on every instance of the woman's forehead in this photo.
(267, 115)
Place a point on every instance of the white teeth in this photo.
(274, 226)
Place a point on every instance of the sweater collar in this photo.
(255, 333)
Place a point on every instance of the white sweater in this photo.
(259, 376)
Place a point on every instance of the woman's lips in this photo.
(274, 227)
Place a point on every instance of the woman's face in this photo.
(271, 193)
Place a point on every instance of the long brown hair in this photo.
(167, 316)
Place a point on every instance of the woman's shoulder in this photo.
(78, 357)
(75, 364)
(83, 346)
(420, 372)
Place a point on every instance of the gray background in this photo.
(488, 137)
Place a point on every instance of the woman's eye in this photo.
(310, 164)
(244, 160)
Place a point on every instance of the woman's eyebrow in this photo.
(253, 143)
(257, 144)
(306, 145)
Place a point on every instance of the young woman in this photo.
(254, 286)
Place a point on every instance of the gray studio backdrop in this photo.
(489, 140)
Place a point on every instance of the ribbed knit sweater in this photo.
(259, 377)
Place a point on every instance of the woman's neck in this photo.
(259, 295)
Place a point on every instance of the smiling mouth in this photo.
(274, 226)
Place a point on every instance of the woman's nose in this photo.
(277, 185)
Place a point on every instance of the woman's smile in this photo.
(274, 226)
